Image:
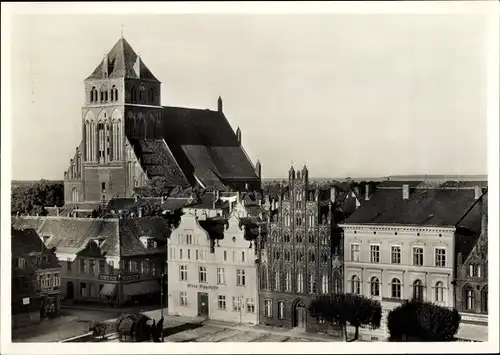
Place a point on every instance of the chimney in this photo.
(219, 104)
(406, 192)
(273, 204)
(139, 212)
(243, 202)
(57, 211)
(217, 195)
(136, 198)
(162, 200)
(367, 192)
(333, 194)
(477, 192)
(238, 197)
(259, 202)
(238, 135)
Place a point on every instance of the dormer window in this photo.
(149, 242)
(45, 239)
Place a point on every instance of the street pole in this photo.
(161, 304)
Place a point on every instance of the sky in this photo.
(346, 94)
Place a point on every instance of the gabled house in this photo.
(111, 260)
(36, 278)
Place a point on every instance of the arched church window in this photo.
(105, 95)
(133, 94)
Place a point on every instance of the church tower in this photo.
(122, 103)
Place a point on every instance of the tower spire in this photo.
(121, 30)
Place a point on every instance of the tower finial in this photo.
(122, 30)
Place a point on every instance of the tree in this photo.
(423, 321)
(157, 186)
(342, 309)
(32, 198)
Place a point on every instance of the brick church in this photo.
(128, 137)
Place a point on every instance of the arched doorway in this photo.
(299, 314)
(70, 290)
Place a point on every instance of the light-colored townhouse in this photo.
(210, 205)
(211, 269)
(401, 244)
(115, 261)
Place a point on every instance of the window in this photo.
(189, 239)
(354, 252)
(395, 288)
(221, 276)
(69, 263)
(189, 254)
(375, 253)
(311, 257)
(418, 290)
(240, 277)
(478, 271)
(102, 266)
(469, 298)
(243, 257)
(83, 289)
(324, 284)
(375, 286)
(300, 256)
(439, 292)
(324, 258)
(268, 308)
(281, 310)
(298, 222)
(276, 279)
(21, 263)
(484, 299)
(440, 257)
(250, 305)
(396, 255)
(286, 238)
(263, 278)
(418, 256)
(311, 238)
(287, 255)
(300, 282)
(312, 284)
(83, 266)
(288, 281)
(298, 238)
(221, 302)
(183, 272)
(471, 270)
(183, 299)
(180, 254)
(237, 304)
(225, 255)
(355, 285)
(203, 274)
(111, 267)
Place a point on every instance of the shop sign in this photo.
(203, 287)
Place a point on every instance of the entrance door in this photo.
(202, 304)
(300, 315)
(70, 290)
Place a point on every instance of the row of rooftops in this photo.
(410, 203)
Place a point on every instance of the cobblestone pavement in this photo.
(74, 322)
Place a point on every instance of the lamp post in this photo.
(161, 303)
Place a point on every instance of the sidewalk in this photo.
(106, 308)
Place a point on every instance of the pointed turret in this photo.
(238, 135)
(219, 104)
(291, 173)
(258, 169)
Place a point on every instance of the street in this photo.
(76, 321)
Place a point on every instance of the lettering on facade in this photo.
(132, 277)
(203, 287)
